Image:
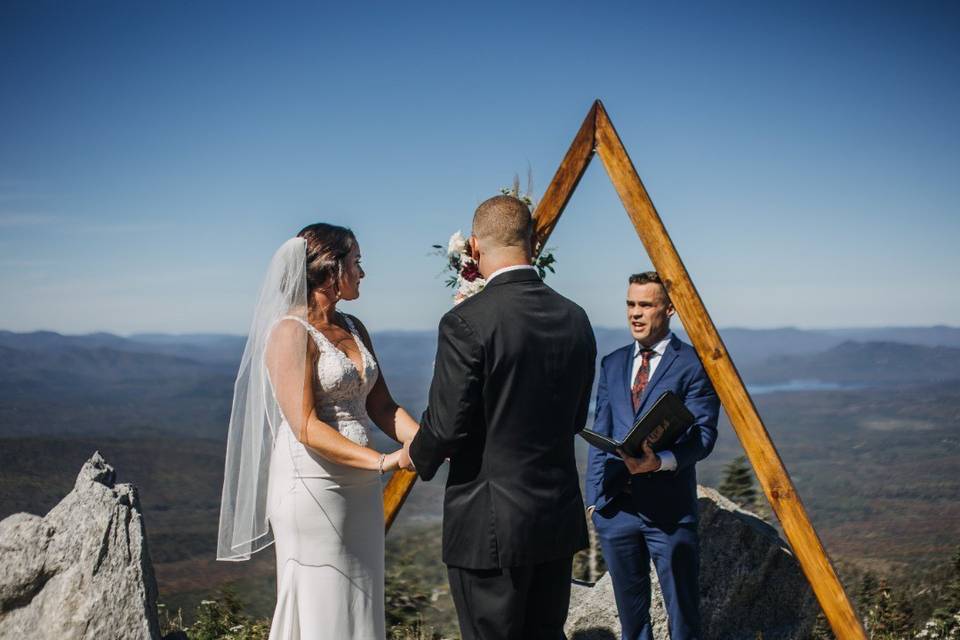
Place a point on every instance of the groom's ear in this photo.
(474, 247)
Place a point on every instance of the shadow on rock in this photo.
(597, 633)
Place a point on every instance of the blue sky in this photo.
(154, 154)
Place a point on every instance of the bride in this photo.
(299, 469)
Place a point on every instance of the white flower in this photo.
(457, 244)
(465, 289)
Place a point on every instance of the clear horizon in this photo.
(803, 158)
(624, 328)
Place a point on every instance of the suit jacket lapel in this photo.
(619, 390)
(627, 368)
(665, 361)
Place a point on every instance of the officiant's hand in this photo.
(648, 463)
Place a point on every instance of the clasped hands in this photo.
(399, 459)
(647, 463)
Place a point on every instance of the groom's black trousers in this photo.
(517, 603)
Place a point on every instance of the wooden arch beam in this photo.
(597, 135)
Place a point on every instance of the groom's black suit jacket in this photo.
(511, 388)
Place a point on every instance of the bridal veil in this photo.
(273, 359)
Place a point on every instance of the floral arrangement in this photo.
(465, 276)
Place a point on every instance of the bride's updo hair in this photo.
(327, 249)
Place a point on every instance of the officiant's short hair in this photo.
(504, 220)
(648, 277)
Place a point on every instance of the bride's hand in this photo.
(391, 461)
(399, 459)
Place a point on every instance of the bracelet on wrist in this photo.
(383, 457)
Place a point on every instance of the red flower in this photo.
(470, 271)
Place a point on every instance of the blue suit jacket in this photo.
(663, 497)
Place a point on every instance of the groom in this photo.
(511, 388)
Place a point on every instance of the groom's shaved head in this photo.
(503, 221)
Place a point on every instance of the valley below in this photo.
(875, 457)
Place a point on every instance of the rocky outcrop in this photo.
(750, 584)
(83, 570)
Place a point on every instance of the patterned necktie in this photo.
(643, 376)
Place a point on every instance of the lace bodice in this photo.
(339, 389)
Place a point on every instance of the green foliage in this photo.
(406, 598)
(950, 606)
(417, 594)
(868, 591)
(415, 631)
(221, 619)
(891, 615)
(544, 262)
(821, 629)
(414, 587)
(944, 624)
(738, 483)
(169, 623)
(919, 604)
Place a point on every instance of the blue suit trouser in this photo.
(628, 543)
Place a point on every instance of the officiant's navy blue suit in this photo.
(651, 515)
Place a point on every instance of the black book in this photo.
(662, 424)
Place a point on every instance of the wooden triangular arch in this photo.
(597, 135)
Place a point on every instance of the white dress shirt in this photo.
(668, 461)
(515, 267)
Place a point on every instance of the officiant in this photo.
(646, 508)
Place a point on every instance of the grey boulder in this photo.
(750, 584)
(83, 570)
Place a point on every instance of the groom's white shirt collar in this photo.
(515, 267)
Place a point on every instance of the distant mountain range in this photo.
(745, 345)
(863, 363)
(209, 348)
(53, 384)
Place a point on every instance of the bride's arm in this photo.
(392, 419)
(291, 374)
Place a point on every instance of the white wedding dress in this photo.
(327, 519)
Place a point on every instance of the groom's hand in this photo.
(405, 461)
(649, 463)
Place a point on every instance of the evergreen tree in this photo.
(952, 599)
(946, 617)
(738, 484)
(821, 629)
(891, 617)
(867, 593)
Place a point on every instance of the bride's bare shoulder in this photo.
(288, 336)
